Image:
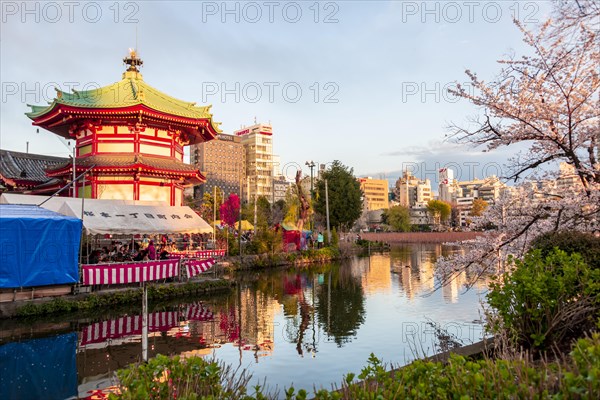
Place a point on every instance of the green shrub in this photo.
(545, 300)
(586, 244)
(335, 238)
(175, 378)
(575, 377)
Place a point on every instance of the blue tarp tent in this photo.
(38, 247)
(39, 368)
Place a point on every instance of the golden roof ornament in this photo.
(134, 61)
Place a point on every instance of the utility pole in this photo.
(240, 220)
(214, 243)
(311, 165)
(255, 201)
(327, 210)
(74, 173)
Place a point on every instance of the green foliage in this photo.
(575, 377)
(586, 244)
(584, 380)
(207, 208)
(440, 210)
(345, 204)
(266, 241)
(335, 238)
(175, 378)
(545, 300)
(398, 217)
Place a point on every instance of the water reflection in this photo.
(341, 305)
(306, 326)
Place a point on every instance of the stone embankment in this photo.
(420, 237)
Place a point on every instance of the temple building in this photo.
(129, 137)
(26, 172)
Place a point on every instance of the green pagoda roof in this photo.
(130, 91)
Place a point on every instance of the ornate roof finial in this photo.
(133, 61)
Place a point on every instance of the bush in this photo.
(575, 377)
(335, 238)
(586, 244)
(171, 378)
(545, 300)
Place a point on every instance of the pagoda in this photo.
(132, 135)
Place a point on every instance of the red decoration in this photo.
(230, 210)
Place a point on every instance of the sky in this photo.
(363, 82)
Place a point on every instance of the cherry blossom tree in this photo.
(549, 100)
(230, 210)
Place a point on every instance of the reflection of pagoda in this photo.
(134, 136)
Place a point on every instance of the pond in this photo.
(303, 327)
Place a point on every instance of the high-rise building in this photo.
(222, 162)
(376, 193)
(412, 191)
(258, 145)
(447, 185)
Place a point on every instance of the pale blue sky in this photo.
(386, 63)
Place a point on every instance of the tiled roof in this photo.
(131, 160)
(130, 91)
(26, 166)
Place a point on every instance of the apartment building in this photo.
(375, 192)
(258, 146)
(222, 162)
(411, 191)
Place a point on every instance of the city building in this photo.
(280, 188)
(130, 139)
(447, 187)
(462, 194)
(375, 193)
(567, 179)
(222, 162)
(411, 191)
(258, 145)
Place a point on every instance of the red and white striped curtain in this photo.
(196, 267)
(128, 326)
(198, 254)
(197, 312)
(114, 274)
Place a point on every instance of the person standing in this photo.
(320, 240)
(151, 251)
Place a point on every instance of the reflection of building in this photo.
(258, 144)
(378, 277)
(452, 288)
(132, 134)
(411, 191)
(376, 193)
(222, 161)
(416, 268)
(258, 315)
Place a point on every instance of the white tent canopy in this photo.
(120, 216)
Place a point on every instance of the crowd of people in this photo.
(147, 248)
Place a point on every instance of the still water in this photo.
(307, 328)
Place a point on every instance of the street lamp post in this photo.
(311, 164)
